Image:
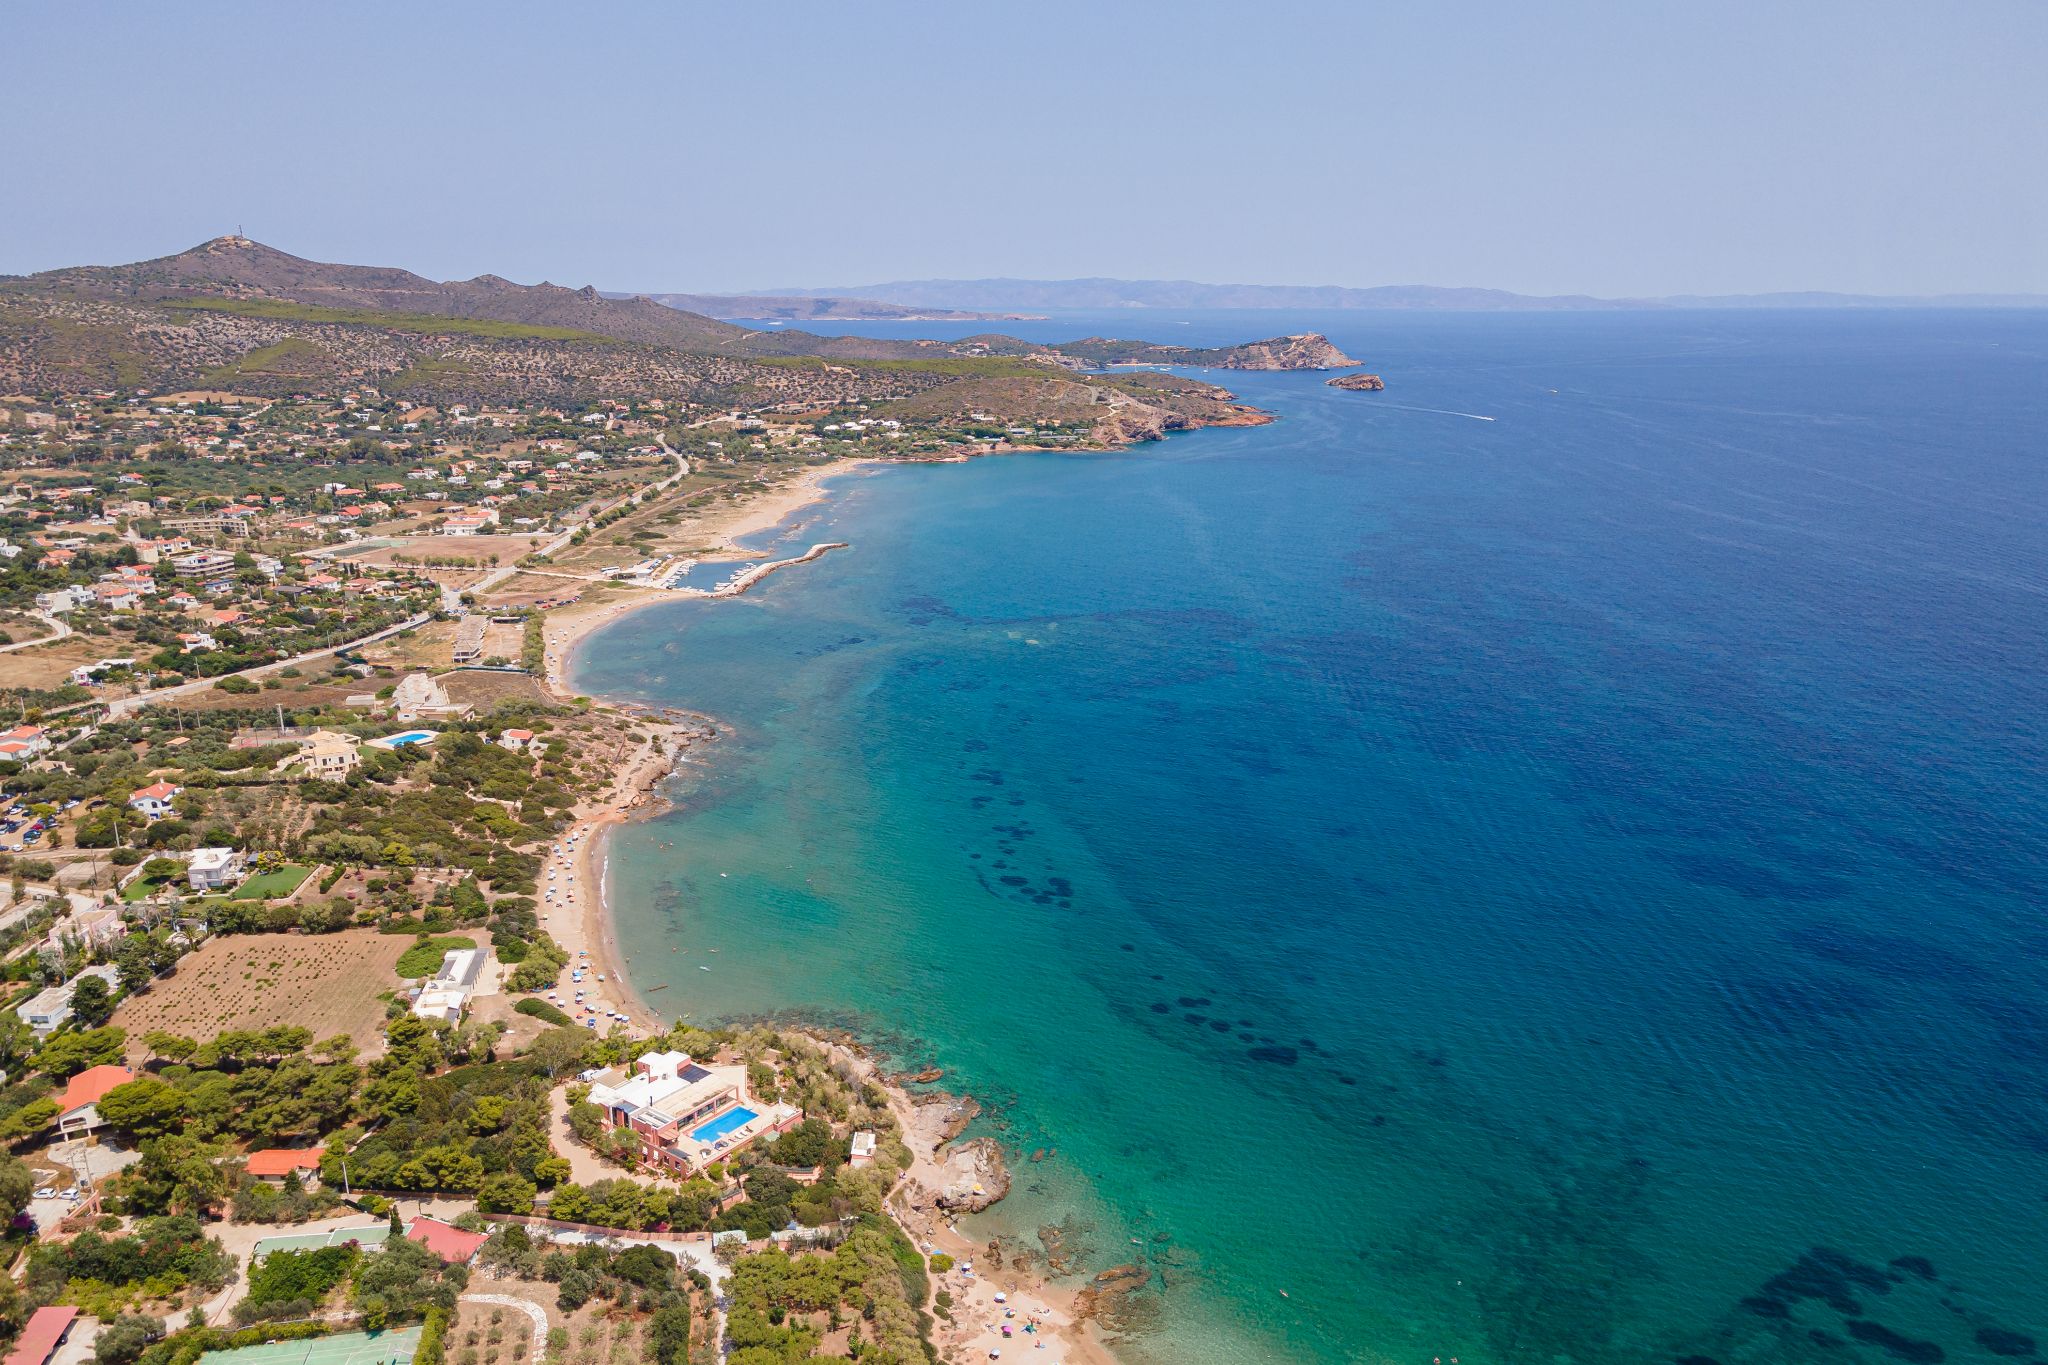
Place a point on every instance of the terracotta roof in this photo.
(46, 1327)
(162, 791)
(279, 1160)
(91, 1086)
(451, 1244)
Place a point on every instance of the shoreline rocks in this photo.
(976, 1176)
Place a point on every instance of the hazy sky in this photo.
(1608, 148)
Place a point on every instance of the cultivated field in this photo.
(326, 982)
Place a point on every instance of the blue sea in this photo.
(1542, 864)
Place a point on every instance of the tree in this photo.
(558, 1050)
(17, 1184)
(122, 1340)
(505, 1192)
(133, 961)
(144, 1107)
(31, 1118)
(92, 1001)
(172, 1047)
(175, 1175)
(67, 1054)
(668, 1334)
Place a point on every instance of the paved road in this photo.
(129, 705)
(58, 631)
(568, 533)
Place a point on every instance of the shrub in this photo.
(541, 1009)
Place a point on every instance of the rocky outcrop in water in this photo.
(976, 1176)
(1361, 383)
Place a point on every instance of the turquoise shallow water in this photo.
(1563, 887)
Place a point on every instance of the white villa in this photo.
(328, 754)
(48, 1010)
(687, 1115)
(215, 869)
(447, 992)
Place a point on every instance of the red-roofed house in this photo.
(77, 1107)
(154, 801)
(30, 737)
(44, 1334)
(275, 1163)
(450, 1243)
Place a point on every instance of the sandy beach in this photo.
(579, 920)
(987, 1295)
(565, 628)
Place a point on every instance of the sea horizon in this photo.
(1533, 863)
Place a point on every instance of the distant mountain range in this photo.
(810, 308)
(1103, 294)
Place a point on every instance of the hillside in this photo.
(233, 313)
(238, 268)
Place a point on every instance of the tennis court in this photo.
(369, 1235)
(347, 1348)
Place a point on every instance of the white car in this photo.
(47, 1192)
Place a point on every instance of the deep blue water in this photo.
(1559, 888)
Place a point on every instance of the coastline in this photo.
(586, 927)
(929, 1122)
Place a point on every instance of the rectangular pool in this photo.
(725, 1123)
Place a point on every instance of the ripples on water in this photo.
(1563, 888)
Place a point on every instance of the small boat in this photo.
(662, 987)
(703, 969)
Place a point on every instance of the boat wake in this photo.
(1441, 412)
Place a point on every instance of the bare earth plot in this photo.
(325, 982)
(485, 690)
(50, 665)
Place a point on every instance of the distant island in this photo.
(1101, 294)
(1362, 383)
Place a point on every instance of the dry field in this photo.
(485, 690)
(475, 551)
(46, 666)
(295, 694)
(326, 982)
(429, 646)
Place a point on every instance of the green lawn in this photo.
(271, 885)
(424, 957)
(145, 886)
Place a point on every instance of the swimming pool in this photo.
(723, 1124)
(409, 737)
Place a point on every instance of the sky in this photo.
(1558, 147)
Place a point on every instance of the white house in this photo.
(215, 869)
(47, 1011)
(154, 801)
(446, 994)
(518, 741)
